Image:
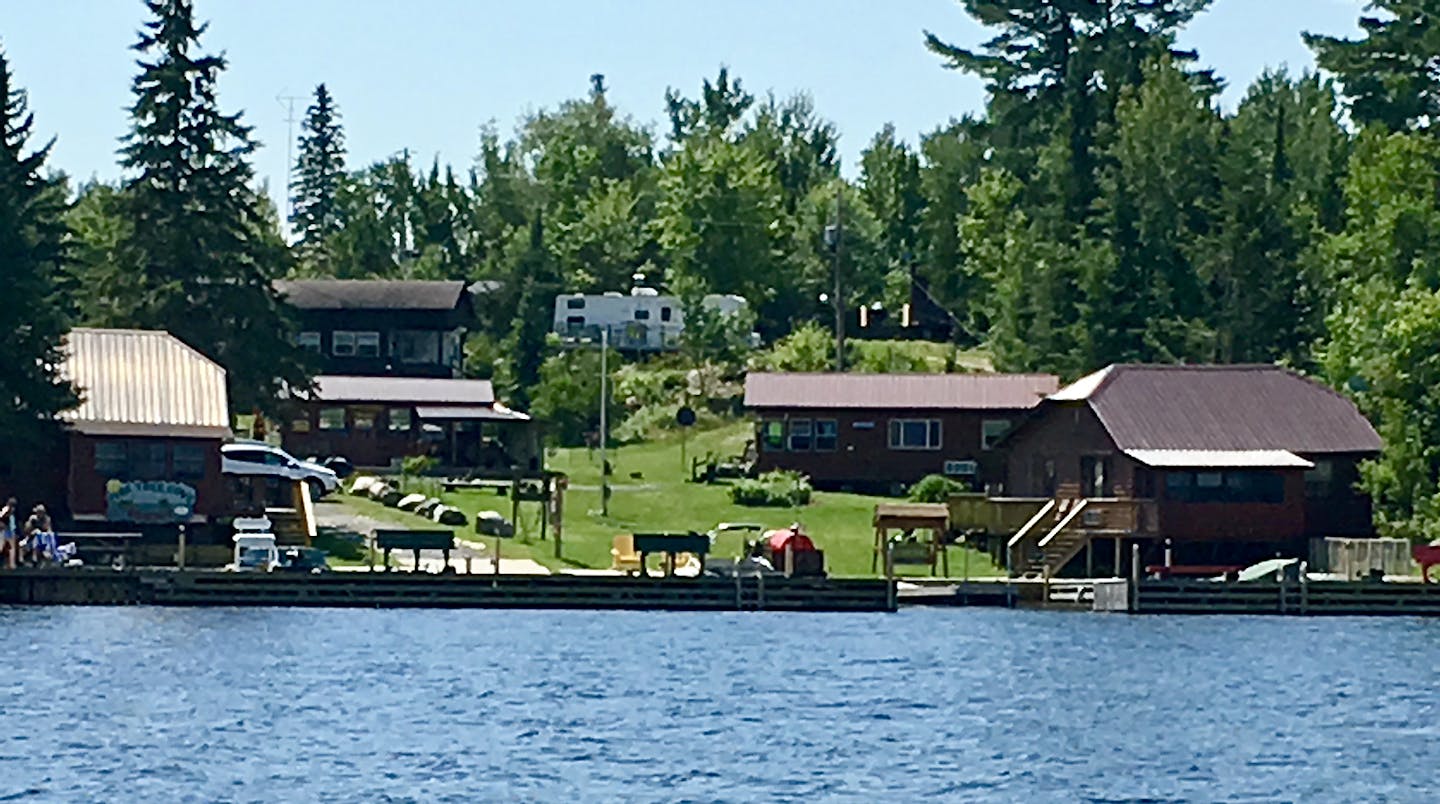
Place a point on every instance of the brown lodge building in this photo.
(883, 432)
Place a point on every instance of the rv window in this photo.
(642, 315)
(574, 304)
(664, 313)
(575, 321)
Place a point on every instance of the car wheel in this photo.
(317, 489)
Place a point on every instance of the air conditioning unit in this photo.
(961, 468)
(1092, 519)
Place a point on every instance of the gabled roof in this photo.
(143, 383)
(407, 390)
(371, 294)
(898, 391)
(1221, 408)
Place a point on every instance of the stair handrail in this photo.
(1033, 521)
(1062, 524)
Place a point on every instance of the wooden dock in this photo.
(1334, 598)
(96, 586)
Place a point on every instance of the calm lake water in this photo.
(362, 705)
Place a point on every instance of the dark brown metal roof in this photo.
(400, 390)
(898, 391)
(1247, 407)
(371, 294)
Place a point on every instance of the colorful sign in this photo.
(148, 501)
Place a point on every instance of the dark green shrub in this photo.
(935, 489)
(773, 490)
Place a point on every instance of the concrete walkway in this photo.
(472, 555)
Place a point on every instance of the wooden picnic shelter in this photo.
(931, 519)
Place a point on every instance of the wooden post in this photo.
(1135, 577)
(1089, 556)
(496, 561)
(1119, 549)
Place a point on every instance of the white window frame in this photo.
(834, 435)
(790, 434)
(987, 442)
(309, 341)
(350, 343)
(934, 435)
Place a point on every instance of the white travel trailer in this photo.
(644, 321)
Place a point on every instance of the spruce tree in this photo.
(319, 171)
(32, 265)
(200, 260)
(1388, 75)
(526, 342)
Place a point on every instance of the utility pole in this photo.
(604, 434)
(288, 101)
(839, 297)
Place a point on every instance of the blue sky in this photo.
(426, 74)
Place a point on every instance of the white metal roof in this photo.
(497, 413)
(1219, 459)
(139, 382)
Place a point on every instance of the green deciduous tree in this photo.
(32, 270)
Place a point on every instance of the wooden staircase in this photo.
(1050, 540)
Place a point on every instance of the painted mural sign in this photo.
(148, 501)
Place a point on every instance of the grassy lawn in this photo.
(650, 492)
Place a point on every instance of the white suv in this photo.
(257, 458)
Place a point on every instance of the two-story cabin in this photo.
(882, 432)
(377, 327)
(1217, 464)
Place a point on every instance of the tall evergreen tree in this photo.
(200, 260)
(526, 342)
(1389, 75)
(319, 171)
(32, 267)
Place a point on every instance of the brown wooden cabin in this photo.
(883, 432)
(376, 422)
(144, 440)
(381, 327)
(1224, 465)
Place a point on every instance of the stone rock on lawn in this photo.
(410, 502)
(427, 506)
(492, 523)
(363, 484)
(446, 515)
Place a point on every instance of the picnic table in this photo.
(100, 547)
(414, 541)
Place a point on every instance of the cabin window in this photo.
(826, 431)
(665, 313)
(332, 419)
(915, 434)
(800, 435)
(1225, 487)
(574, 304)
(300, 424)
(189, 461)
(642, 315)
(309, 341)
(347, 343)
(416, 346)
(147, 460)
(991, 431)
(363, 420)
(1320, 480)
(399, 420)
(110, 458)
(772, 436)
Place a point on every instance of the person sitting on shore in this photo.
(10, 533)
(43, 544)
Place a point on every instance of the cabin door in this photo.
(1095, 478)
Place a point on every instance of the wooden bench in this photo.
(414, 541)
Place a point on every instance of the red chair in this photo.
(1426, 555)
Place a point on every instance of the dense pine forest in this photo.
(1103, 208)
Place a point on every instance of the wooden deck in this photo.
(96, 586)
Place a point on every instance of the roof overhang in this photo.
(456, 413)
(1219, 459)
(94, 428)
